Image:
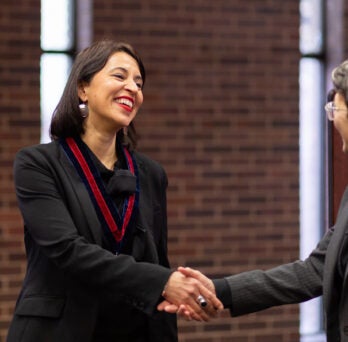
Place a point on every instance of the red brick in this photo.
(220, 114)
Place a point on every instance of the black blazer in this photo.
(324, 272)
(70, 272)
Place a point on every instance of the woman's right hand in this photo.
(181, 293)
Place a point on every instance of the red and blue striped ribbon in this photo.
(113, 223)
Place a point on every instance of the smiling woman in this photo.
(97, 258)
(114, 96)
(103, 72)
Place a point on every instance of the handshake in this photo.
(191, 295)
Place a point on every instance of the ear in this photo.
(81, 91)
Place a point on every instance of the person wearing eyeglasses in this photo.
(336, 110)
(324, 272)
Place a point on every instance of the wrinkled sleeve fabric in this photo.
(294, 282)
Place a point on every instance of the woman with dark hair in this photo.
(95, 222)
(324, 272)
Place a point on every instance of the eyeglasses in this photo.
(330, 109)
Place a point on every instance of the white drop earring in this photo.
(83, 109)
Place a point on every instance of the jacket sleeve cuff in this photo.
(223, 292)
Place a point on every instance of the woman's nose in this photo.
(131, 85)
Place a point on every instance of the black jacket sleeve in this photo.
(42, 190)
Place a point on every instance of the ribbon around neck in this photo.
(115, 224)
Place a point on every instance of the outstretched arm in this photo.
(258, 290)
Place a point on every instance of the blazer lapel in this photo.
(82, 197)
(330, 292)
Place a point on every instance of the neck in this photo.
(104, 147)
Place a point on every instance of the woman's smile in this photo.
(125, 102)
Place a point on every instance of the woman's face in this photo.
(114, 95)
(341, 119)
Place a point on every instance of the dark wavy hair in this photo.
(67, 120)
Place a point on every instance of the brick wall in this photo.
(19, 126)
(221, 115)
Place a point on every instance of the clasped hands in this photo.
(182, 295)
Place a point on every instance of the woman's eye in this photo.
(139, 85)
(120, 76)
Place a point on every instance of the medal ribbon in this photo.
(114, 224)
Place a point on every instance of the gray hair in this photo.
(340, 79)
